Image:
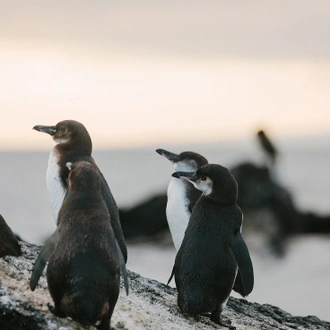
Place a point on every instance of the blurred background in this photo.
(181, 75)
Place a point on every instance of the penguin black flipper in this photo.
(114, 216)
(245, 278)
(123, 269)
(172, 274)
(42, 259)
(238, 284)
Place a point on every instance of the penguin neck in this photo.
(220, 198)
(178, 187)
(82, 147)
(72, 151)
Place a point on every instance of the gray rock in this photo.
(150, 305)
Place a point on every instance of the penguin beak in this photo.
(169, 155)
(190, 176)
(51, 130)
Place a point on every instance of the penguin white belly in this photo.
(56, 192)
(177, 211)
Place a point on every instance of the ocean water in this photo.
(298, 283)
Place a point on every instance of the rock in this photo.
(150, 305)
(267, 146)
(8, 242)
(145, 220)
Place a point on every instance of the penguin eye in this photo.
(203, 178)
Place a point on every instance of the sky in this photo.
(142, 73)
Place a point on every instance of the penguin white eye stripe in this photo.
(205, 185)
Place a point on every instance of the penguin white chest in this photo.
(56, 191)
(177, 211)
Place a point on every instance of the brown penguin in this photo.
(83, 271)
(73, 143)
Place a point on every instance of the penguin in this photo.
(73, 143)
(9, 245)
(213, 249)
(181, 195)
(83, 270)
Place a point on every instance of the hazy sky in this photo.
(156, 72)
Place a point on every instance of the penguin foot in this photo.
(55, 311)
(105, 324)
(215, 317)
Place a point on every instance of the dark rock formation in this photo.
(150, 305)
(259, 194)
(267, 146)
(145, 220)
(8, 242)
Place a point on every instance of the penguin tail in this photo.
(85, 311)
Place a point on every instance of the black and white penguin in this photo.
(213, 249)
(181, 195)
(83, 270)
(73, 143)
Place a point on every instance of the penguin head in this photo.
(83, 177)
(214, 181)
(64, 131)
(69, 135)
(187, 161)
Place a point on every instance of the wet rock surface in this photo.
(150, 305)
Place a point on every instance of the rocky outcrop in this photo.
(150, 305)
(8, 241)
